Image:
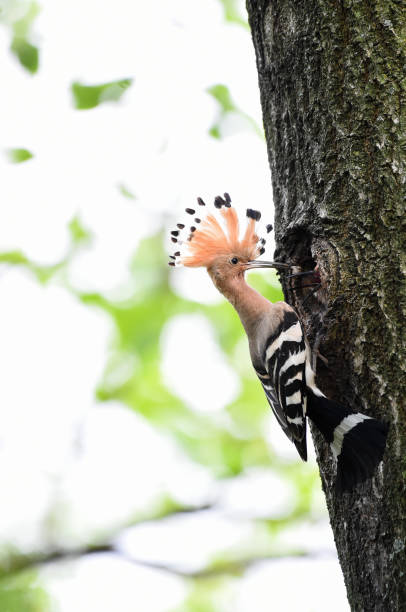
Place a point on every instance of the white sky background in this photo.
(156, 143)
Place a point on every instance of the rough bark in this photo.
(332, 78)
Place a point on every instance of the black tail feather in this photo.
(357, 441)
(362, 450)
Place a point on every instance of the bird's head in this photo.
(214, 241)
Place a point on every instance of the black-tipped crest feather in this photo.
(253, 214)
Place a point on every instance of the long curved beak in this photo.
(251, 265)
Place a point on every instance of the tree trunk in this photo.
(333, 92)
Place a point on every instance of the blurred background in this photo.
(140, 466)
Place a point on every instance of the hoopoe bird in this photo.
(279, 350)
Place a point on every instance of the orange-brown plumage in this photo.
(213, 239)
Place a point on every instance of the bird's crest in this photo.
(215, 234)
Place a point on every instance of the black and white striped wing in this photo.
(283, 378)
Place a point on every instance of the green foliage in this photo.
(27, 53)
(17, 156)
(133, 376)
(22, 592)
(79, 235)
(42, 273)
(140, 322)
(227, 447)
(227, 106)
(204, 595)
(126, 192)
(13, 257)
(221, 93)
(228, 443)
(78, 232)
(232, 13)
(21, 45)
(90, 96)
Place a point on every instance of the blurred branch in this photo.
(17, 562)
(232, 567)
(236, 566)
(226, 566)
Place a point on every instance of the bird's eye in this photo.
(234, 260)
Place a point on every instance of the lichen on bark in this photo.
(333, 91)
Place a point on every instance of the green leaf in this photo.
(214, 131)
(17, 156)
(22, 27)
(232, 13)
(21, 46)
(17, 258)
(90, 96)
(14, 257)
(78, 232)
(206, 595)
(23, 591)
(126, 192)
(27, 54)
(222, 95)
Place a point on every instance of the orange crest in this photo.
(217, 234)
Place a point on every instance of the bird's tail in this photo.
(356, 440)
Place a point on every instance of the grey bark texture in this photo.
(332, 78)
